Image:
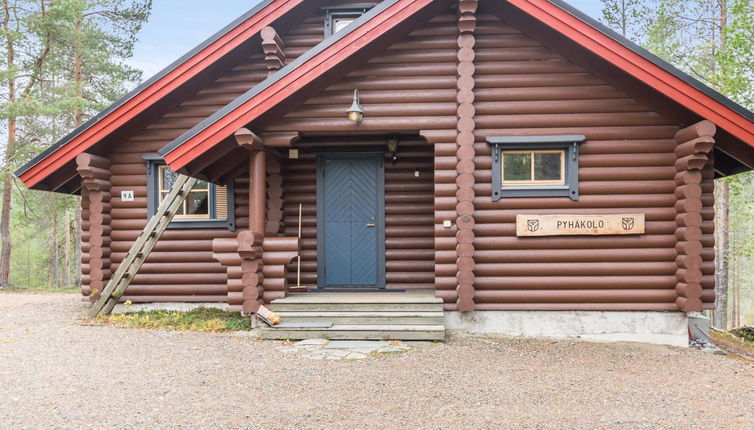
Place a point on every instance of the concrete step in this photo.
(345, 317)
(358, 332)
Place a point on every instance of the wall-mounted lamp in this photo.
(392, 148)
(355, 112)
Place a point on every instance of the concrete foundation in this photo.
(120, 308)
(663, 328)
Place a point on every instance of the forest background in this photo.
(63, 61)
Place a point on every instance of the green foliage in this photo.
(64, 61)
(712, 40)
(746, 333)
(200, 319)
(33, 233)
(624, 16)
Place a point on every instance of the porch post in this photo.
(250, 241)
(257, 190)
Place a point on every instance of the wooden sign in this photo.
(561, 225)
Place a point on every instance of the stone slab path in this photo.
(323, 349)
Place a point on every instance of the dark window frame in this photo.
(568, 143)
(349, 11)
(153, 162)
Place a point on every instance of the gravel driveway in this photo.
(55, 373)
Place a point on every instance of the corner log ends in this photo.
(693, 153)
(276, 253)
(95, 212)
(465, 156)
(273, 47)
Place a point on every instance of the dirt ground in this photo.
(57, 373)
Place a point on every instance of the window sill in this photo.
(537, 191)
(201, 223)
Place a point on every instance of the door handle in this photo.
(371, 224)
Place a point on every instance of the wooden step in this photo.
(345, 317)
(418, 297)
(355, 307)
(411, 315)
(358, 332)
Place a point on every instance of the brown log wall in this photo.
(626, 165)
(520, 88)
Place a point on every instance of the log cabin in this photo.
(396, 168)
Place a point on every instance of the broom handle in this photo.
(298, 265)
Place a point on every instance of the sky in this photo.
(172, 31)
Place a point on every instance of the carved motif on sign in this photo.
(558, 225)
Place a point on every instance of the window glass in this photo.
(533, 167)
(196, 205)
(547, 166)
(341, 22)
(516, 166)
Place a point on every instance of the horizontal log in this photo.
(173, 299)
(575, 296)
(574, 307)
(568, 255)
(175, 290)
(575, 269)
(603, 242)
(633, 282)
(180, 278)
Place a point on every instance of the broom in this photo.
(298, 286)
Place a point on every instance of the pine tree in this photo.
(69, 56)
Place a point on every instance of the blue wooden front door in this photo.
(351, 225)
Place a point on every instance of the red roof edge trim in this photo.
(157, 90)
(313, 68)
(643, 69)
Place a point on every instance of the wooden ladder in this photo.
(142, 246)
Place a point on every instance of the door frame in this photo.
(380, 221)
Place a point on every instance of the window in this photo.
(535, 166)
(207, 205)
(341, 22)
(338, 18)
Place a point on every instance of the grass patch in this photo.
(67, 290)
(745, 333)
(732, 342)
(200, 319)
